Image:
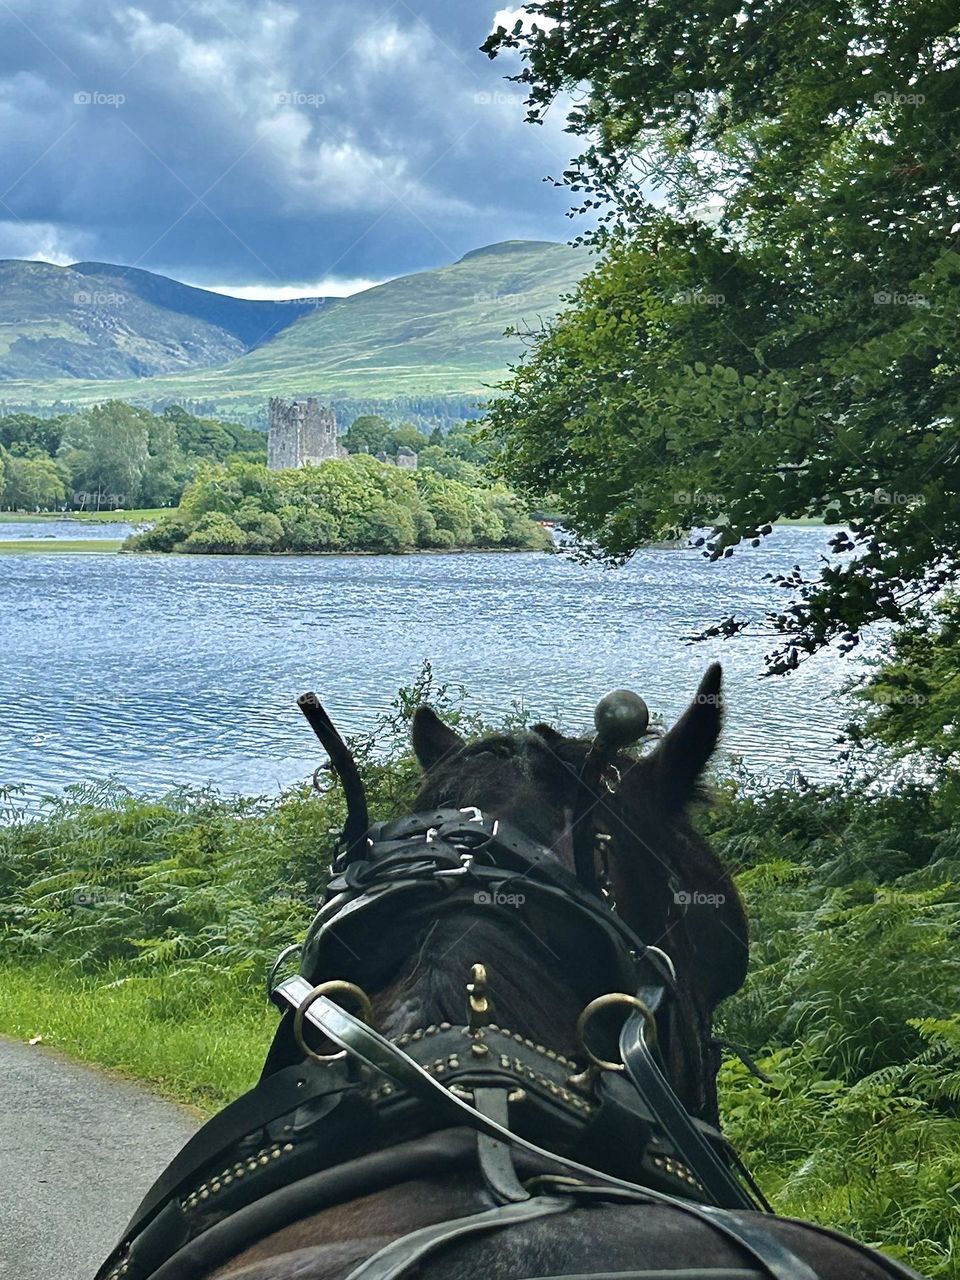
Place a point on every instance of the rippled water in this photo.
(74, 530)
(163, 670)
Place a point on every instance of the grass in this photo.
(137, 516)
(44, 546)
(204, 1052)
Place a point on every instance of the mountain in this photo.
(435, 333)
(95, 320)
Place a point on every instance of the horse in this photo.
(496, 1061)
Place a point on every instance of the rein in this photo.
(319, 1129)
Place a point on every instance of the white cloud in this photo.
(329, 287)
(387, 44)
(509, 17)
(42, 242)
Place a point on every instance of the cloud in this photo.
(510, 17)
(265, 141)
(332, 287)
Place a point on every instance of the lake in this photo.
(162, 670)
(73, 530)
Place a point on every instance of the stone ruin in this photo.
(405, 458)
(301, 432)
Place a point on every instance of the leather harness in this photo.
(314, 1128)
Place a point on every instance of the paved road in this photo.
(77, 1151)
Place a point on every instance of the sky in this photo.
(267, 148)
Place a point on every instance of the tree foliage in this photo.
(355, 504)
(113, 455)
(773, 330)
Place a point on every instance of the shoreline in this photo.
(114, 546)
(137, 515)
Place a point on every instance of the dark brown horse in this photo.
(673, 893)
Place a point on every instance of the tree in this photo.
(33, 483)
(352, 504)
(367, 434)
(773, 329)
(106, 450)
(212, 438)
(407, 436)
(23, 433)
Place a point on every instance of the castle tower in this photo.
(301, 432)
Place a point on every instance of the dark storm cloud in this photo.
(230, 141)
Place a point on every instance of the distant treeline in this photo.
(354, 504)
(117, 455)
(424, 412)
(113, 455)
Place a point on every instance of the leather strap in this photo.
(370, 1047)
(280, 1093)
(641, 1067)
(398, 1257)
(686, 1273)
(496, 1159)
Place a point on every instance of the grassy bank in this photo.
(203, 1050)
(46, 546)
(140, 515)
(137, 933)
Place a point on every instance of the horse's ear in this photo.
(547, 733)
(433, 741)
(682, 754)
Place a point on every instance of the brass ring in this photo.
(344, 988)
(604, 1002)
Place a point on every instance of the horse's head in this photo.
(666, 883)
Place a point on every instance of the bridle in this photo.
(598, 1126)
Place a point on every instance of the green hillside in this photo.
(438, 332)
(97, 321)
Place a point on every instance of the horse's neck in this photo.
(525, 991)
